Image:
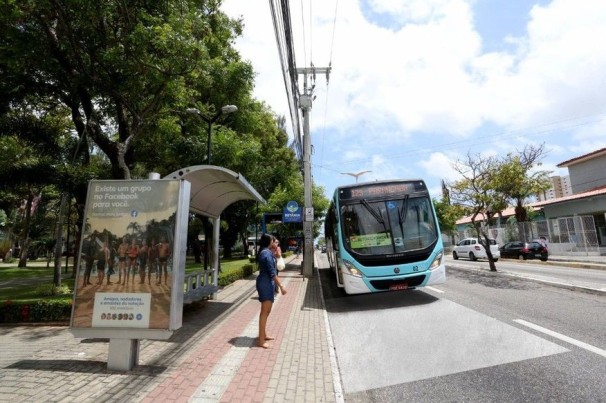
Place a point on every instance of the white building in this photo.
(560, 187)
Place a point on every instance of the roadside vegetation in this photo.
(28, 294)
(95, 91)
(488, 185)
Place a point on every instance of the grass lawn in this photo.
(25, 284)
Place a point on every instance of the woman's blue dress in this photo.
(265, 279)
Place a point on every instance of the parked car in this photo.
(473, 249)
(524, 250)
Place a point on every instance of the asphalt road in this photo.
(480, 337)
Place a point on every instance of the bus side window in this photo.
(331, 228)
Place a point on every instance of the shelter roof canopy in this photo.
(213, 188)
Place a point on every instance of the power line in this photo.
(280, 14)
(481, 140)
(332, 40)
(304, 41)
(323, 135)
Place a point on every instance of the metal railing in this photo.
(576, 235)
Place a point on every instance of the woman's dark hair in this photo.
(264, 243)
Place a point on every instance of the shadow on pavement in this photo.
(337, 301)
(91, 367)
(491, 280)
(243, 341)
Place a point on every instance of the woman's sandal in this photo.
(270, 338)
(264, 345)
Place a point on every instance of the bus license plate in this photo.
(399, 286)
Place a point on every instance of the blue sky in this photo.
(416, 85)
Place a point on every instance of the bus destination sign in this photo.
(381, 190)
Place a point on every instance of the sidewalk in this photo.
(581, 261)
(212, 358)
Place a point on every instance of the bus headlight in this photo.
(437, 261)
(351, 269)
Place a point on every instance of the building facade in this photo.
(574, 219)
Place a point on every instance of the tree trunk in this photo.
(59, 242)
(491, 263)
(521, 215)
(244, 236)
(26, 240)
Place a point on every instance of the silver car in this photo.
(473, 249)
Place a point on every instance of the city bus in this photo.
(384, 236)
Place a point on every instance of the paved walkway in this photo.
(212, 358)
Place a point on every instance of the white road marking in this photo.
(336, 376)
(562, 337)
(434, 289)
(423, 338)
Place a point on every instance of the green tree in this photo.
(476, 192)
(262, 154)
(30, 153)
(517, 181)
(125, 73)
(488, 184)
(293, 189)
(120, 67)
(448, 214)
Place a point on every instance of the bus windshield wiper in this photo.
(376, 214)
(404, 210)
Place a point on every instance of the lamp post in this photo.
(224, 110)
(355, 175)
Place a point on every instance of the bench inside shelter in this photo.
(198, 286)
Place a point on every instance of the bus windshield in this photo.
(387, 227)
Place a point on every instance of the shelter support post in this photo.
(215, 252)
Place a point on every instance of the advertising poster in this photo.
(125, 275)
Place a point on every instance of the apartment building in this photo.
(560, 187)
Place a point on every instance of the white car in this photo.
(473, 249)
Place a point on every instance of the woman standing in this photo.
(278, 255)
(266, 281)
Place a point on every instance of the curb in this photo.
(578, 265)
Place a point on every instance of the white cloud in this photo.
(425, 82)
(440, 166)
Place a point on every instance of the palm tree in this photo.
(135, 226)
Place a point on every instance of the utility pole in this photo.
(305, 101)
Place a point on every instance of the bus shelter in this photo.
(213, 188)
(130, 313)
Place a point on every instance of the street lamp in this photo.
(224, 110)
(355, 175)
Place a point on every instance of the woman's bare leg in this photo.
(263, 315)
